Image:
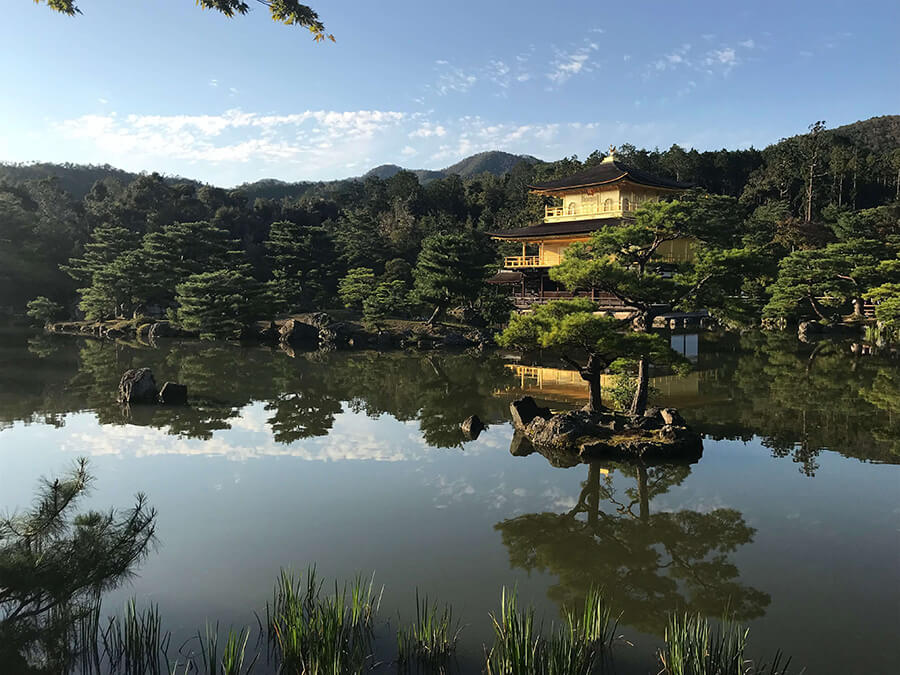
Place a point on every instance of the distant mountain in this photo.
(76, 179)
(494, 162)
(880, 134)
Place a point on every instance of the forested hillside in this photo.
(124, 244)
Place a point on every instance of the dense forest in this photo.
(105, 243)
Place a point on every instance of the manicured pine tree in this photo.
(179, 250)
(221, 304)
(302, 262)
(43, 310)
(107, 243)
(451, 268)
(572, 327)
(388, 298)
(820, 282)
(357, 285)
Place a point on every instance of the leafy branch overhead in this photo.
(288, 12)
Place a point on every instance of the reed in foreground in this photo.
(430, 642)
(580, 647)
(694, 647)
(135, 643)
(311, 634)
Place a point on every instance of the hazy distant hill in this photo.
(494, 162)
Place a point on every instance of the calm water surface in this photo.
(355, 462)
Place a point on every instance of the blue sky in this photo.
(161, 85)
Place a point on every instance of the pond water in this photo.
(355, 462)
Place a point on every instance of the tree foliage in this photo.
(55, 562)
(451, 268)
(224, 303)
(289, 12)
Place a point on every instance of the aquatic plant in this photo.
(135, 644)
(431, 640)
(694, 647)
(580, 646)
(311, 634)
(232, 659)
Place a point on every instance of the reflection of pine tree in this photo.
(648, 563)
(801, 399)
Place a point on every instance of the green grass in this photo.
(431, 640)
(695, 647)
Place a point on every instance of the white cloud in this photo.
(747, 44)
(725, 56)
(213, 83)
(568, 64)
(319, 137)
(409, 151)
(453, 80)
(523, 77)
(102, 101)
(427, 130)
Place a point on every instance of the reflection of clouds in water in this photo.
(354, 437)
(705, 504)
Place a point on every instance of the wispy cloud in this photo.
(571, 63)
(324, 137)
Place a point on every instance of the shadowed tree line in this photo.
(794, 226)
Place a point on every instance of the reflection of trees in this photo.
(648, 563)
(302, 396)
(799, 398)
(54, 567)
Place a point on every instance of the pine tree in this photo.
(451, 268)
(357, 285)
(223, 303)
(107, 243)
(302, 262)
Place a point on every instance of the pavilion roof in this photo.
(608, 171)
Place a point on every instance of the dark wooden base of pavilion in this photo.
(529, 287)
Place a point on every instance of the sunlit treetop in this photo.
(289, 12)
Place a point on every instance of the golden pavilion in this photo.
(606, 194)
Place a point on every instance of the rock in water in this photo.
(524, 410)
(472, 427)
(295, 332)
(672, 416)
(137, 386)
(173, 393)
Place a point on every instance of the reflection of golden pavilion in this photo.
(557, 384)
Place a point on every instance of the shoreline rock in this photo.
(137, 386)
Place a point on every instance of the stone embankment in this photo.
(317, 330)
(580, 436)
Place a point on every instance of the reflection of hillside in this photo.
(648, 563)
(566, 386)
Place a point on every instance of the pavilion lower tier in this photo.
(530, 287)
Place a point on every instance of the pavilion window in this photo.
(607, 204)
